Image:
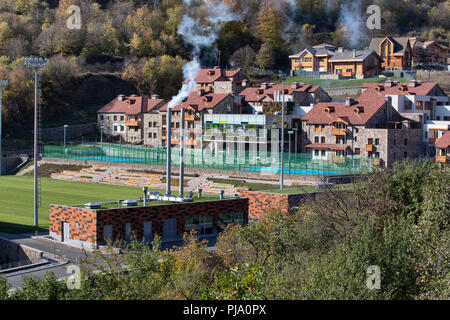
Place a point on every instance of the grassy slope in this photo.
(16, 199)
(338, 83)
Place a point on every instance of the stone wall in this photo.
(87, 225)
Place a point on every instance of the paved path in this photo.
(72, 255)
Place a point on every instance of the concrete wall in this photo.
(11, 253)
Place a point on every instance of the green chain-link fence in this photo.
(225, 160)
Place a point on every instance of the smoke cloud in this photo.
(352, 20)
(199, 33)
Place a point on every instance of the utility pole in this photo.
(65, 128)
(3, 83)
(35, 64)
(182, 153)
(282, 77)
(168, 145)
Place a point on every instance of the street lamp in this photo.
(283, 78)
(3, 83)
(35, 64)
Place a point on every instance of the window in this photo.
(322, 139)
(121, 118)
(408, 105)
(203, 224)
(356, 138)
(377, 141)
(405, 154)
(419, 105)
(115, 128)
(323, 153)
(322, 128)
(357, 151)
(316, 139)
(406, 142)
(356, 130)
(316, 128)
(115, 118)
(316, 152)
(230, 218)
(370, 141)
(101, 118)
(349, 70)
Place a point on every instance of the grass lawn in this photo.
(17, 199)
(325, 83)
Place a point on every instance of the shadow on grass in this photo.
(15, 228)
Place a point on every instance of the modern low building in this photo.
(368, 126)
(396, 52)
(83, 227)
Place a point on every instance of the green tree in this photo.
(266, 56)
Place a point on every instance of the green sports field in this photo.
(16, 199)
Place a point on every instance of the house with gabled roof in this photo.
(218, 80)
(427, 51)
(364, 127)
(355, 63)
(122, 117)
(396, 52)
(313, 59)
(443, 148)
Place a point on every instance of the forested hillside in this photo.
(138, 41)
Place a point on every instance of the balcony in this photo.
(370, 147)
(132, 123)
(190, 117)
(205, 88)
(431, 141)
(339, 132)
(442, 159)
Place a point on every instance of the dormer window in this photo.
(329, 109)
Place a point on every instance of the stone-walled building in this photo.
(367, 127)
(217, 80)
(122, 118)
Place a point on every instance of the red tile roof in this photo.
(444, 141)
(206, 101)
(361, 110)
(421, 89)
(255, 94)
(215, 74)
(132, 105)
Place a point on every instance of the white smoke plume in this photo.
(199, 33)
(352, 20)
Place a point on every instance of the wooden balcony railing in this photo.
(190, 117)
(442, 159)
(132, 123)
(339, 132)
(369, 147)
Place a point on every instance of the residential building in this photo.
(196, 106)
(217, 80)
(313, 59)
(368, 126)
(395, 52)
(299, 94)
(443, 148)
(122, 117)
(425, 103)
(355, 63)
(426, 52)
